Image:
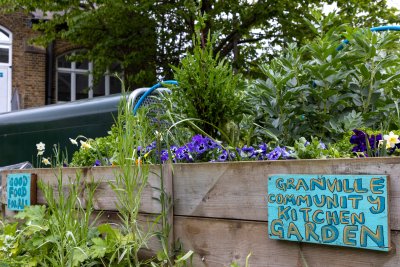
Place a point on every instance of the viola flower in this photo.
(197, 138)
(211, 144)
(173, 148)
(191, 146)
(97, 163)
(247, 151)
(182, 153)
(374, 141)
(223, 156)
(201, 147)
(261, 153)
(164, 155)
(284, 153)
(275, 154)
(359, 139)
(41, 146)
(391, 140)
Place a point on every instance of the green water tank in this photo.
(20, 131)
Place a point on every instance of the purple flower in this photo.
(284, 153)
(261, 153)
(374, 140)
(173, 148)
(201, 147)
(182, 153)
(275, 154)
(164, 155)
(247, 151)
(223, 156)
(359, 139)
(211, 144)
(97, 163)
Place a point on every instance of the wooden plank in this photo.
(238, 189)
(147, 222)
(104, 198)
(219, 242)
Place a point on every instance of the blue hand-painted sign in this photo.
(342, 210)
(18, 191)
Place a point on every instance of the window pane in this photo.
(64, 87)
(4, 36)
(4, 55)
(62, 62)
(82, 86)
(115, 85)
(82, 65)
(99, 88)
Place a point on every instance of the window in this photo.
(5, 47)
(75, 80)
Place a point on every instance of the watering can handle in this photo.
(373, 29)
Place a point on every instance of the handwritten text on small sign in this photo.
(342, 210)
(21, 190)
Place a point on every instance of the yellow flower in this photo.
(391, 139)
(85, 145)
(46, 161)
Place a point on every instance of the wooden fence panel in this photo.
(219, 242)
(238, 190)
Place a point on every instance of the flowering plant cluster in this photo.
(201, 149)
(366, 145)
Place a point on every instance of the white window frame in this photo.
(73, 71)
(8, 44)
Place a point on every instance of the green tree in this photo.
(148, 36)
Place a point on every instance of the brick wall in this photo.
(28, 61)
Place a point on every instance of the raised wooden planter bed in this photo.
(220, 210)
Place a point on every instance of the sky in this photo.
(394, 3)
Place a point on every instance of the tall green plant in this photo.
(208, 88)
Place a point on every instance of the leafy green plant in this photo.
(99, 151)
(314, 149)
(208, 88)
(326, 88)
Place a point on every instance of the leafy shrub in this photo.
(208, 90)
(323, 91)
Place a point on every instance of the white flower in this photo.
(46, 161)
(40, 152)
(40, 146)
(391, 139)
(85, 145)
(73, 141)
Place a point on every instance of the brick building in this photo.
(32, 76)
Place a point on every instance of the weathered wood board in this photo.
(220, 210)
(104, 198)
(219, 242)
(237, 190)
